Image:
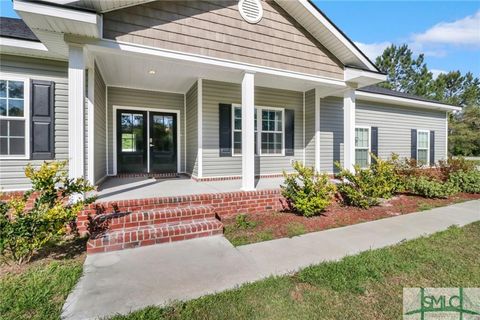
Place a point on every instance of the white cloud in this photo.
(436, 72)
(373, 50)
(465, 31)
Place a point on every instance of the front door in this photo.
(131, 141)
(163, 142)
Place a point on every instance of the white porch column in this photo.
(317, 129)
(349, 129)
(91, 123)
(248, 132)
(76, 108)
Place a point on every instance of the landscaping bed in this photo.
(251, 228)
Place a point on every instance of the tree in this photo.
(404, 73)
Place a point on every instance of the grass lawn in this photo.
(38, 290)
(365, 286)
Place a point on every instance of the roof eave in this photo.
(401, 101)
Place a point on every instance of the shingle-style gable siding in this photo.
(216, 29)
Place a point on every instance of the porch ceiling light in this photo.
(151, 72)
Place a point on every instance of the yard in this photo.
(244, 229)
(366, 286)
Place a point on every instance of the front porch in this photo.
(130, 188)
(146, 112)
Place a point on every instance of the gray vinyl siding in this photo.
(331, 133)
(394, 129)
(125, 98)
(12, 175)
(310, 128)
(100, 154)
(192, 130)
(395, 123)
(214, 93)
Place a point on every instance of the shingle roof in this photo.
(389, 92)
(16, 28)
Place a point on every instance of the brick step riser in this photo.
(140, 219)
(135, 238)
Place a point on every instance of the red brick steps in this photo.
(142, 228)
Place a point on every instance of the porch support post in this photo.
(317, 129)
(76, 110)
(91, 123)
(248, 132)
(349, 129)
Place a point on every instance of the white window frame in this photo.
(428, 145)
(369, 148)
(26, 115)
(258, 112)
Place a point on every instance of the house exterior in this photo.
(211, 89)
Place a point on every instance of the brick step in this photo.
(145, 235)
(142, 217)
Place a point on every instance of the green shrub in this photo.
(431, 188)
(454, 165)
(25, 230)
(243, 222)
(307, 192)
(365, 187)
(468, 181)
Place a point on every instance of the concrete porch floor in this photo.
(119, 188)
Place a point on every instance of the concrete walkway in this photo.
(119, 282)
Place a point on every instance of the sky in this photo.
(447, 32)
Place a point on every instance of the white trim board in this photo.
(148, 110)
(399, 101)
(112, 46)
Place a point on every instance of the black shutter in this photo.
(289, 132)
(432, 148)
(225, 130)
(374, 142)
(414, 144)
(42, 114)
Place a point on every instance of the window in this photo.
(423, 147)
(270, 122)
(13, 118)
(362, 147)
(272, 131)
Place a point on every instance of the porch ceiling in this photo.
(170, 75)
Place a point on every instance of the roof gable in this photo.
(216, 29)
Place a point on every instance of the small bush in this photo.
(466, 181)
(430, 188)
(243, 222)
(454, 165)
(365, 187)
(410, 168)
(25, 230)
(307, 192)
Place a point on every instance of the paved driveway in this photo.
(122, 281)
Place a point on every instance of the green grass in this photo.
(365, 286)
(37, 291)
(295, 229)
(424, 206)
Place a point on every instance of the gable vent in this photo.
(251, 10)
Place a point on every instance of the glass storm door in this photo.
(163, 142)
(131, 141)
